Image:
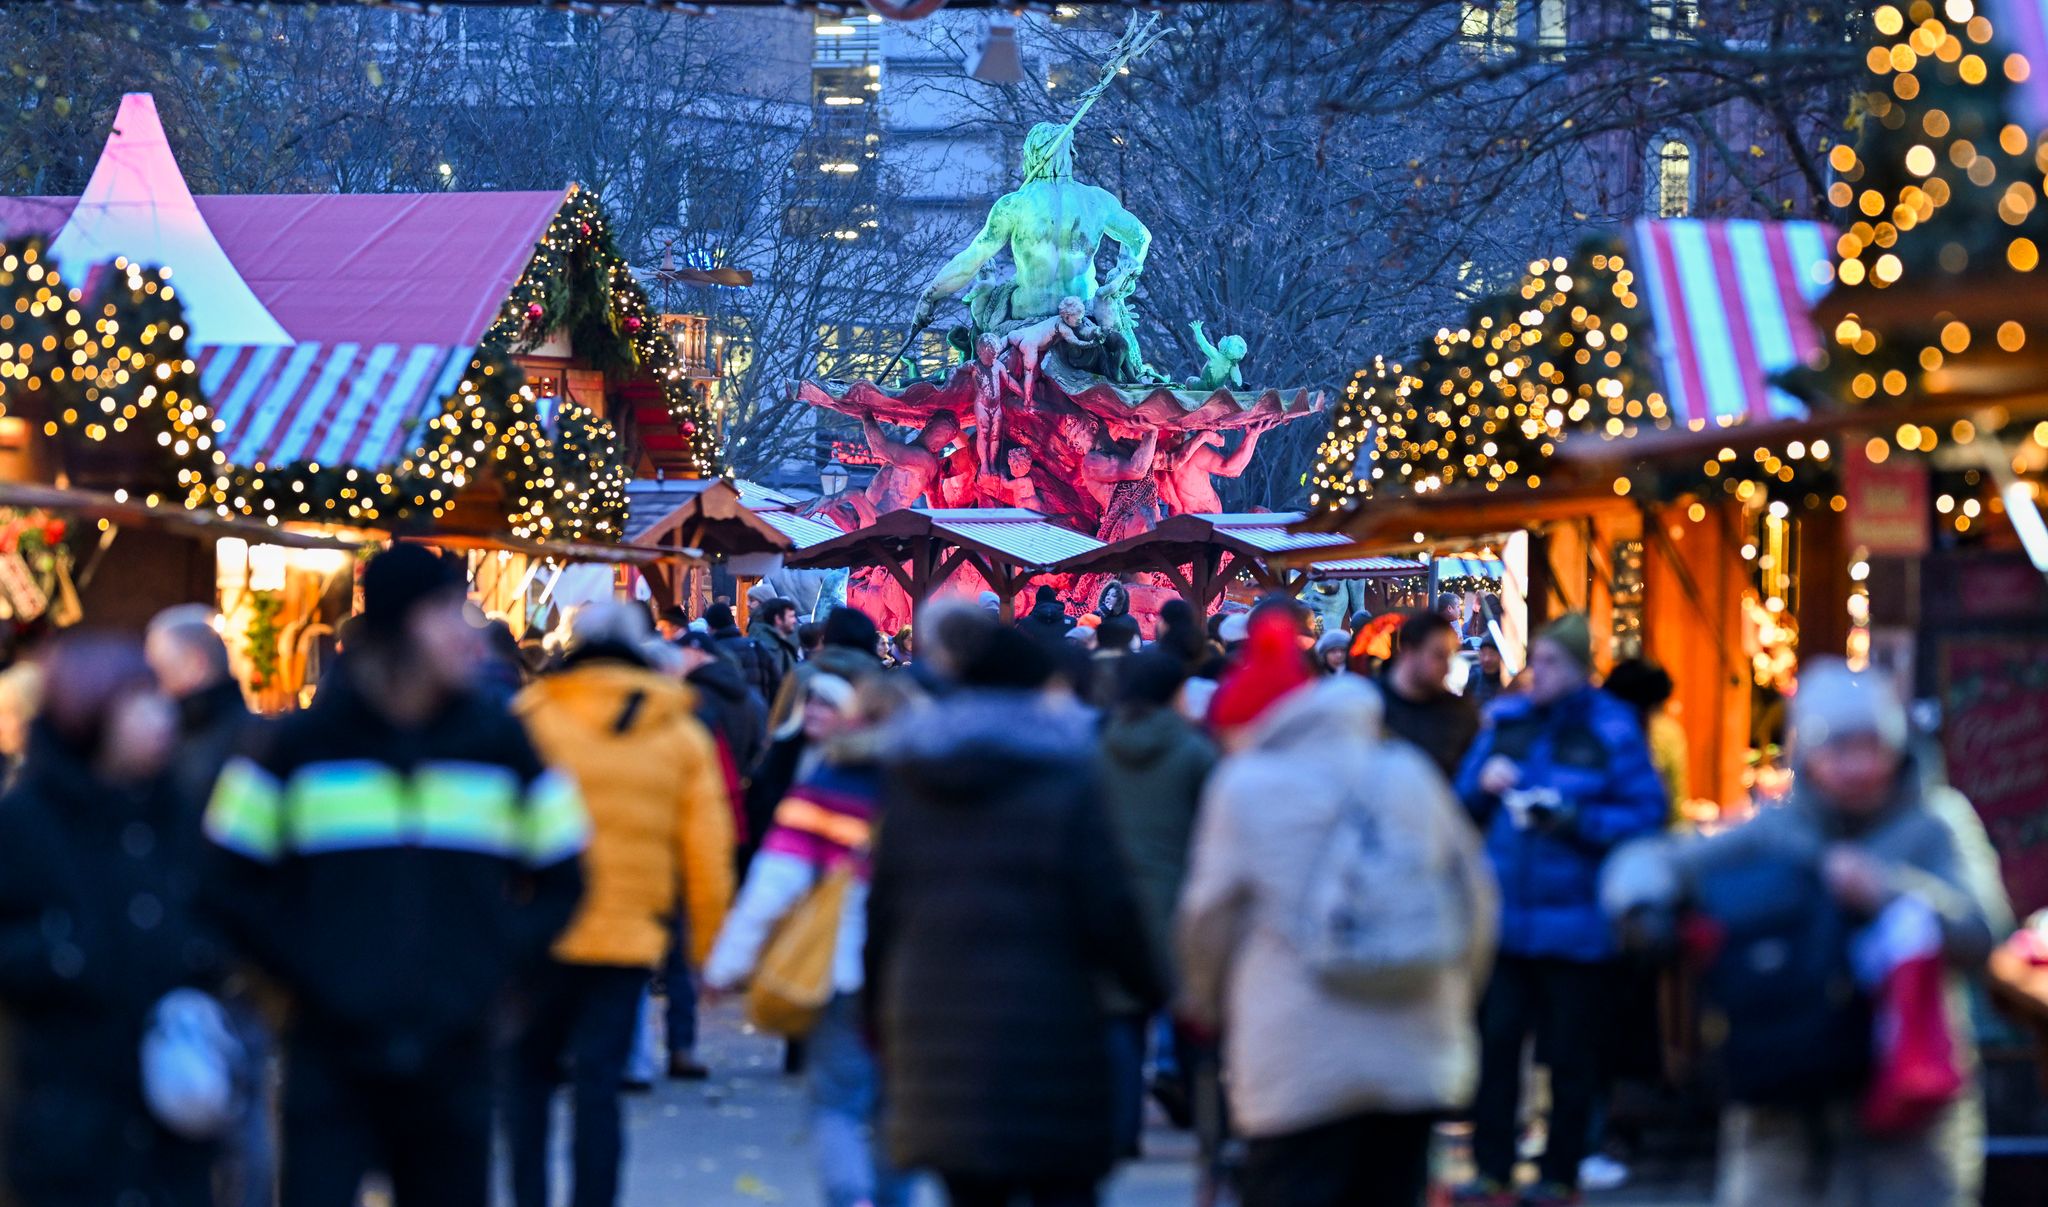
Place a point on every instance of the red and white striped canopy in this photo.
(1729, 307)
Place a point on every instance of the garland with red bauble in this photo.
(579, 284)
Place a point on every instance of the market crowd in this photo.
(998, 884)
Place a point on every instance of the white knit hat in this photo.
(1834, 702)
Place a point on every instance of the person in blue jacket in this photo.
(1559, 777)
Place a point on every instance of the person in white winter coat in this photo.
(1337, 1089)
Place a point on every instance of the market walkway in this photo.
(738, 1141)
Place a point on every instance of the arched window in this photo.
(1671, 177)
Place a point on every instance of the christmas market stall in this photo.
(1672, 327)
(480, 371)
(922, 549)
(1204, 556)
(747, 528)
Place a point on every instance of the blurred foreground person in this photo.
(392, 856)
(1859, 841)
(97, 889)
(214, 721)
(1000, 907)
(660, 816)
(1153, 763)
(21, 697)
(823, 826)
(191, 665)
(1559, 777)
(1337, 923)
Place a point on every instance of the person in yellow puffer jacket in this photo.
(660, 814)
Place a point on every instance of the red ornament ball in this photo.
(633, 322)
(689, 428)
(534, 311)
(584, 227)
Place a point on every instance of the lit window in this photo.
(1674, 20)
(1488, 25)
(1553, 26)
(1672, 167)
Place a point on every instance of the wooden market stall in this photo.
(476, 370)
(1567, 421)
(1203, 555)
(921, 548)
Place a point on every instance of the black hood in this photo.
(974, 742)
(720, 678)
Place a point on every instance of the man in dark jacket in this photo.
(392, 856)
(738, 721)
(1153, 763)
(727, 705)
(756, 665)
(999, 908)
(1558, 779)
(191, 665)
(774, 629)
(1048, 620)
(97, 923)
(1420, 709)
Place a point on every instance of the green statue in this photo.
(1052, 225)
(1219, 360)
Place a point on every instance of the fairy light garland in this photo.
(1487, 403)
(1943, 195)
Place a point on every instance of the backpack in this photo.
(1781, 1004)
(1380, 915)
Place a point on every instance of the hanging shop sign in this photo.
(1887, 512)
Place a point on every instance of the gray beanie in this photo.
(1834, 702)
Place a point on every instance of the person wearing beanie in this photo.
(392, 857)
(1270, 665)
(849, 640)
(1332, 652)
(1863, 819)
(1048, 620)
(1336, 1088)
(1558, 778)
(760, 666)
(661, 845)
(827, 821)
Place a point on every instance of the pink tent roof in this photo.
(412, 268)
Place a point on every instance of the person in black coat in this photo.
(97, 883)
(1000, 909)
(1420, 709)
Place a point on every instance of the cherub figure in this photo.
(1017, 488)
(1033, 341)
(991, 377)
(1219, 360)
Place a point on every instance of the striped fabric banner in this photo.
(1729, 305)
(331, 404)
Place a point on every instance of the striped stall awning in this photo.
(338, 404)
(1729, 303)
